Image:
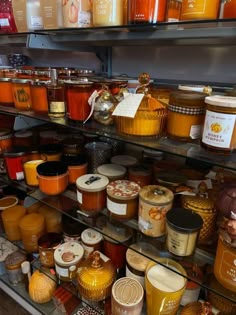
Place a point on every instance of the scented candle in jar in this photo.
(14, 158)
(6, 139)
(107, 12)
(11, 218)
(39, 98)
(34, 17)
(6, 95)
(228, 9)
(173, 11)
(19, 11)
(200, 9)
(21, 93)
(51, 12)
(77, 13)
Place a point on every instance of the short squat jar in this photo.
(77, 166)
(14, 158)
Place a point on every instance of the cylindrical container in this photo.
(51, 151)
(52, 217)
(107, 13)
(140, 174)
(52, 177)
(229, 9)
(224, 266)
(91, 192)
(6, 139)
(47, 245)
(6, 202)
(6, 95)
(165, 286)
(154, 202)
(127, 297)
(30, 172)
(149, 11)
(112, 171)
(77, 166)
(14, 159)
(23, 138)
(185, 118)
(33, 13)
(32, 227)
(219, 131)
(91, 241)
(39, 97)
(77, 95)
(67, 257)
(8, 24)
(173, 10)
(124, 160)
(183, 227)
(13, 267)
(200, 9)
(122, 199)
(98, 153)
(77, 14)
(21, 93)
(11, 218)
(117, 146)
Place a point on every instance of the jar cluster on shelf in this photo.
(33, 15)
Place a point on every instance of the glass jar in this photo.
(173, 11)
(23, 138)
(6, 95)
(150, 11)
(140, 174)
(39, 97)
(77, 166)
(11, 218)
(107, 12)
(7, 20)
(53, 219)
(73, 145)
(13, 267)
(34, 17)
(77, 13)
(30, 173)
(186, 112)
(91, 241)
(51, 151)
(51, 12)
(19, 11)
(47, 244)
(21, 93)
(199, 9)
(229, 9)
(6, 139)
(14, 158)
(219, 131)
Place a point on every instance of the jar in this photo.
(91, 241)
(206, 209)
(122, 199)
(11, 218)
(13, 267)
(48, 137)
(228, 9)
(124, 160)
(34, 17)
(32, 227)
(150, 11)
(51, 151)
(140, 174)
(6, 17)
(183, 227)
(53, 177)
(73, 145)
(22, 73)
(6, 249)
(21, 94)
(91, 192)
(14, 159)
(41, 75)
(77, 95)
(199, 9)
(30, 172)
(23, 138)
(77, 166)
(107, 13)
(39, 97)
(71, 228)
(112, 171)
(6, 139)
(47, 244)
(154, 202)
(173, 10)
(19, 11)
(53, 219)
(186, 112)
(219, 132)
(51, 11)
(95, 277)
(6, 95)
(77, 14)
(67, 259)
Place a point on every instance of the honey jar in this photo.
(186, 112)
(122, 199)
(140, 174)
(11, 218)
(91, 192)
(6, 139)
(21, 93)
(219, 131)
(199, 9)
(154, 202)
(47, 244)
(112, 171)
(13, 267)
(91, 241)
(77, 166)
(6, 95)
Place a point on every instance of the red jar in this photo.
(13, 159)
(77, 95)
(7, 20)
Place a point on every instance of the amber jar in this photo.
(140, 174)
(6, 95)
(47, 244)
(219, 131)
(200, 9)
(107, 13)
(39, 97)
(229, 9)
(51, 151)
(122, 199)
(77, 166)
(73, 145)
(21, 93)
(173, 11)
(91, 192)
(13, 267)
(6, 139)
(30, 173)
(186, 112)
(11, 218)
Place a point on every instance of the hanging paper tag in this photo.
(128, 106)
(91, 101)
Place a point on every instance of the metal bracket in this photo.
(23, 122)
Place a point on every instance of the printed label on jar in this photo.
(218, 129)
(194, 6)
(116, 208)
(57, 107)
(79, 197)
(4, 22)
(195, 131)
(87, 250)
(227, 268)
(84, 19)
(36, 22)
(63, 272)
(19, 175)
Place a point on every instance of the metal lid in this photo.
(15, 259)
(220, 100)
(156, 195)
(5, 79)
(196, 88)
(21, 81)
(91, 237)
(16, 151)
(51, 168)
(69, 253)
(123, 189)
(125, 160)
(111, 170)
(92, 182)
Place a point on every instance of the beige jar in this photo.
(107, 12)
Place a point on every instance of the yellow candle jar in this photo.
(31, 173)
(11, 217)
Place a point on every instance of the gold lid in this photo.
(198, 203)
(156, 195)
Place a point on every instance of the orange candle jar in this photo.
(32, 227)
(229, 9)
(186, 112)
(6, 139)
(51, 151)
(140, 174)
(21, 93)
(53, 177)
(77, 166)
(23, 138)
(39, 96)
(199, 9)
(11, 218)
(173, 10)
(107, 12)
(6, 95)
(30, 172)
(91, 192)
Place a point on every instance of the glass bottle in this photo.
(56, 97)
(173, 11)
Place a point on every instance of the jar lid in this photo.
(22, 81)
(140, 170)
(92, 182)
(50, 240)
(32, 221)
(190, 100)
(40, 83)
(15, 259)
(50, 148)
(198, 203)
(81, 83)
(69, 253)
(196, 88)
(184, 220)
(111, 170)
(74, 160)
(5, 79)
(51, 168)
(156, 195)
(7, 202)
(123, 189)
(220, 100)
(91, 237)
(13, 213)
(125, 160)
(23, 134)
(16, 151)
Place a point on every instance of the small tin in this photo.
(13, 267)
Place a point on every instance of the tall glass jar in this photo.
(107, 12)
(33, 13)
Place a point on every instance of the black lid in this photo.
(16, 151)
(50, 148)
(70, 159)
(184, 220)
(51, 168)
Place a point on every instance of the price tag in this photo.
(128, 106)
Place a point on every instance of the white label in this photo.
(172, 20)
(57, 107)
(84, 19)
(19, 175)
(116, 208)
(62, 271)
(79, 197)
(195, 131)
(36, 21)
(128, 106)
(87, 250)
(4, 22)
(218, 129)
